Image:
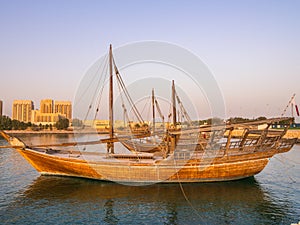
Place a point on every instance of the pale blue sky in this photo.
(252, 47)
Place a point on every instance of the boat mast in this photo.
(174, 104)
(153, 111)
(110, 145)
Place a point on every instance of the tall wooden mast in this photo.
(153, 111)
(174, 104)
(111, 96)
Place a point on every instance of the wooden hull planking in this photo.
(220, 169)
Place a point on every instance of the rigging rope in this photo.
(123, 104)
(129, 99)
(100, 91)
(159, 110)
(183, 192)
(183, 111)
(144, 107)
(96, 90)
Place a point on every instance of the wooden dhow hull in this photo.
(221, 168)
(221, 160)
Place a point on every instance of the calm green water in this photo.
(271, 197)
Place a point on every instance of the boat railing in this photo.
(238, 144)
(285, 144)
(182, 155)
(257, 140)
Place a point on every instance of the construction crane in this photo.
(291, 102)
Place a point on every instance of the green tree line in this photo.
(6, 123)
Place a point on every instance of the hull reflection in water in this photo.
(88, 201)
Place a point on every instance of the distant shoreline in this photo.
(293, 134)
(54, 132)
(39, 132)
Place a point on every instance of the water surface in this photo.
(271, 197)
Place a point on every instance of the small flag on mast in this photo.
(297, 110)
(296, 107)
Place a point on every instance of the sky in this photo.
(251, 47)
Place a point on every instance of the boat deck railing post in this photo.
(262, 137)
(228, 140)
(244, 139)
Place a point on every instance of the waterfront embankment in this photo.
(84, 131)
(39, 132)
(293, 134)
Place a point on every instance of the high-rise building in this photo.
(46, 106)
(1, 108)
(22, 110)
(64, 108)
